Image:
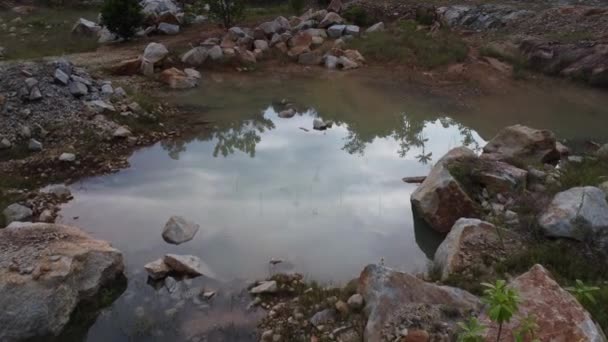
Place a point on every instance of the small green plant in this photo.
(526, 330)
(471, 331)
(226, 11)
(297, 6)
(122, 17)
(503, 303)
(583, 292)
(356, 15)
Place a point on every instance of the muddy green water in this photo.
(262, 187)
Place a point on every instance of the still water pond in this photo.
(263, 187)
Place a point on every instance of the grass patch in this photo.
(591, 172)
(404, 43)
(46, 32)
(519, 63)
(570, 37)
(266, 13)
(358, 16)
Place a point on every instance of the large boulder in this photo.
(579, 213)
(330, 19)
(46, 271)
(441, 200)
(521, 144)
(559, 316)
(466, 246)
(387, 292)
(16, 213)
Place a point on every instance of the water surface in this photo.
(262, 187)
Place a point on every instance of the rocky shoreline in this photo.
(59, 123)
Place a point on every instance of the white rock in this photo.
(215, 53)
(122, 132)
(336, 31)
(34, 145)
(193, 73)
(195, 56)
(59, 190)
(67, 157)
(265, 287)
(378, 27)
(61, 77)
(155, 52)
(184, 264)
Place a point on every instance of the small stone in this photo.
(378, 27)
(157, 269)
(178, 230)
(61, 77)
(107, 89)
(192, 73)
(67, 157)
(34, 145)
(35, 94)
(31, 82)
(267, 336)
(265, 288)
(168, 29)
(78, 89)
(59, 190)
(342, 308)
(355, 302)
(46, 216)
(5, 144)
(122, 132)
(288, 113)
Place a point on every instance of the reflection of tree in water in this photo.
(235, 135)
(407, 130)
(409, 134)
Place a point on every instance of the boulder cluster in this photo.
(302, 39)
(160, 17)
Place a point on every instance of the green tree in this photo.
(503, 303)
(122, 17)
(226, 11)
(471, 331)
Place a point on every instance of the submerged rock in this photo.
(579, 213)
(559, 316)
(184, 264)
(441, 200)
(265, 288)
(46, 271)
(178, 230)
(157, 269)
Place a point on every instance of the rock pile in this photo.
(299, 38)
(49, 102)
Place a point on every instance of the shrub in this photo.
(297, 6)
(357, 15)
(122, 17)
(226, 11)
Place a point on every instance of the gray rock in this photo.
(216, 53)
(46, 216)
(331, 62)
(107, 89)
(67, 157)
(324, 317)
(106, 36)
(579, 213)
(266, 287)
(168, 29)
(122, 132)
(237, 32)
(120, 92)
(157, 269)
(287, 114)
(261, 44)
(351, 30)
(59, 190)
(38, 305)
(191, 73)
(31, 82)
(17, 213)
(355, 302)
(85, 27)
(184, 264)
(34, 145)
(602, 152)
(336, 31)
(178, 230)
(331, 19)
(522, 144)
(5, 144)
(35, 94)
(310, 58)
(61, 77)
(319, 124)
(195, 56)
(78, 89)
(378, 27)
(25, 132)
(100, 106)
(155, 52)
(84, 80)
